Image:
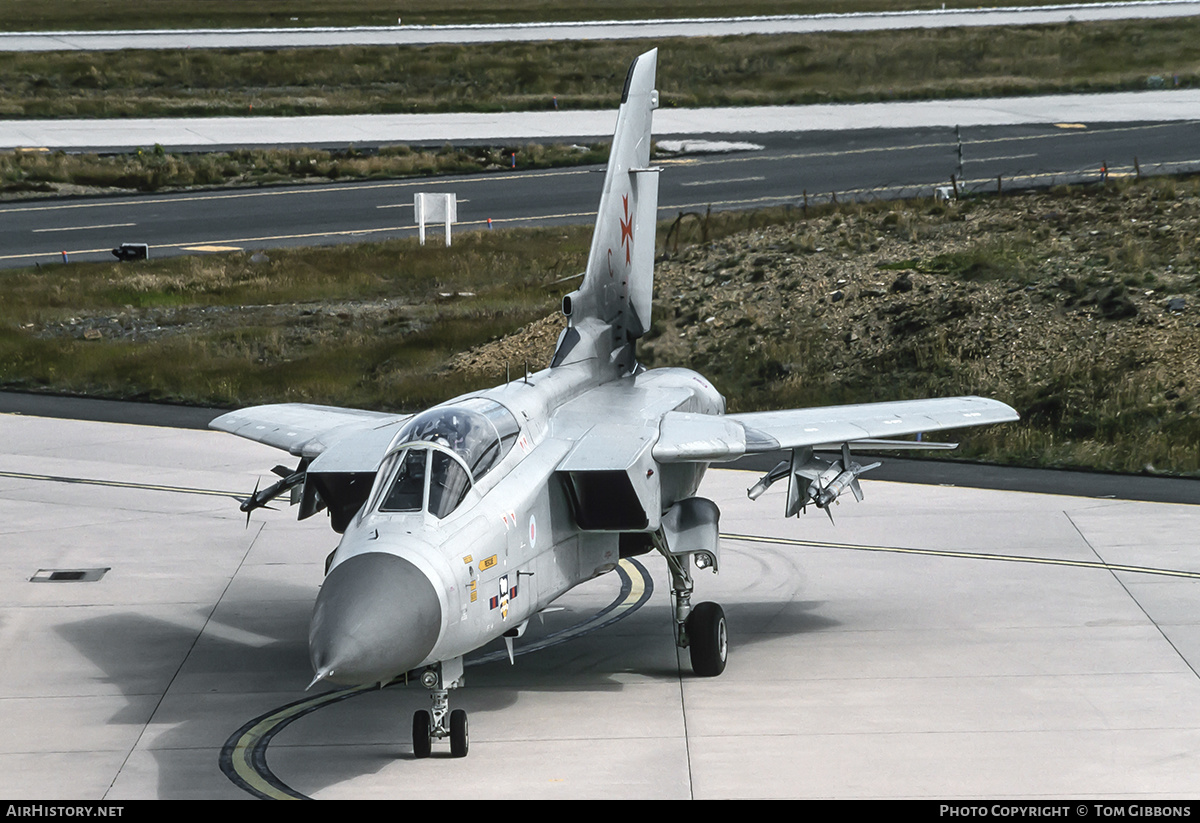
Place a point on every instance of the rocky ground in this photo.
(298, 321)
(1080, 274)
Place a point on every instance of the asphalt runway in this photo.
(788, 168)
(936, 642)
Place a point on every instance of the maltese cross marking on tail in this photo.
(626, 229)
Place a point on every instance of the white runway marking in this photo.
(86, 228)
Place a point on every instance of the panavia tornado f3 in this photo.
(462, 522)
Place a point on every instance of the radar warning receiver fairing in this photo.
(461, 523)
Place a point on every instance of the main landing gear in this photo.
(441, 722)
(700, 629)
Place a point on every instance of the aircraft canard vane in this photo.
(608, 460)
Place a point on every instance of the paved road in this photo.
(787, 167)
(705, 27)
(434, 129)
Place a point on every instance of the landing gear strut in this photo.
(699, 629)
(439, 679)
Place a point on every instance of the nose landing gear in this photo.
(441, 722)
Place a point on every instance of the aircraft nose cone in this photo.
(377, 616)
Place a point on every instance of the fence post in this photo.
(958, 137)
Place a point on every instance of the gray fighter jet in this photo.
(462, 522)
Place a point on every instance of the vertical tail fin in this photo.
(612, 306)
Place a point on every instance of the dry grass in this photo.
(155, 169)
(767, 70)
(361, 325)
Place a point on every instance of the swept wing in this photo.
(795, 428)
(687, 437)
(307, 431)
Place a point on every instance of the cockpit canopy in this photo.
(439, 454)
(478, 430)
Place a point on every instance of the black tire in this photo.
(708, 640)
(459, 740)
(422, 740)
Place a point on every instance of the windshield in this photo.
(408, 488)
(451, 448)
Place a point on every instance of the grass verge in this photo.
(365, 324)
(155, 169)
(693, 72)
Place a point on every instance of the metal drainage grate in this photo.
(68, 575)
